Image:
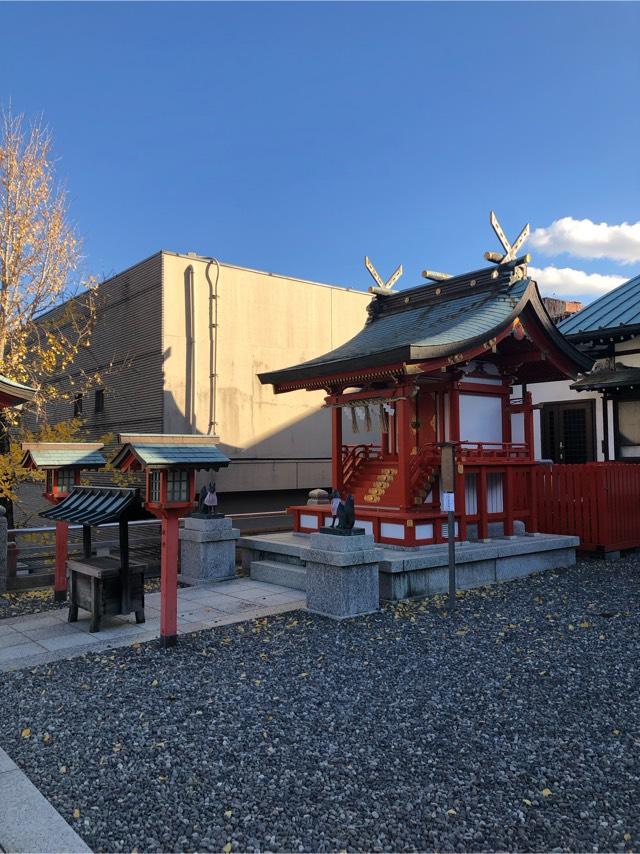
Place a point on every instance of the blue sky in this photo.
(298, 137)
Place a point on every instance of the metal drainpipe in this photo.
(213, 344)
(194, 355)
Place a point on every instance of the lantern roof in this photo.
(440, 320)
(13, 393)
(53, 455)
(142, 450)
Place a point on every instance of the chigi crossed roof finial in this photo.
(383, 287)
(510, 249)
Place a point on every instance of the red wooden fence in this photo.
(598, 502)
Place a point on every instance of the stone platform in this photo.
(283, 559)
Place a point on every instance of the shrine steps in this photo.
(276, 572)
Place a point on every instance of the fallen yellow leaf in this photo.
(228, 813)
(451, 812)
(46, 737)
(63, 769)
(76, 813)
(26, 732)
(584, 624)
(616, 732)
(154, 683)
(547, 792)
(526, 801)
(227, 848)
(627, 837)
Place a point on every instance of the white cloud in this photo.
(586, 239)
(566, 283)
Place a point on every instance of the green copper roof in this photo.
(57, 458)
(434, 321)
(191, 456)
(618, 309)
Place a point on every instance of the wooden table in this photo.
(99, 585)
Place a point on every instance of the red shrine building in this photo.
(446, 361)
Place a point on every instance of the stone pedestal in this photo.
(342, 575)
(207, 549)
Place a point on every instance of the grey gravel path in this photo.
(513, 725)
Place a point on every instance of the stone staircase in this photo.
(277, 572)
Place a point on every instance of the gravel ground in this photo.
(28, 602)
(512, 725)
(37, 601)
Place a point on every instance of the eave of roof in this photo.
(621, 377)
(186, 456)
(97, 505)
(15, 393)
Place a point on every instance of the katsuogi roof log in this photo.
(436, 321)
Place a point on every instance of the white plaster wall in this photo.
(480, 418)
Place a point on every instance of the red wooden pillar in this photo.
(405, 446)
(62, 553)
(169, 580)
(528, 425)
(507, 500)
(506, 418)
(483, 521)
(336, 447)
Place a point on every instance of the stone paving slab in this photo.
(41, 638)
(29, 822)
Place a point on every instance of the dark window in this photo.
(99, 400)
(568, 432)
(66, 480)
(177, 485)
(77, 405)
(154, 486)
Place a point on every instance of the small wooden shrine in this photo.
(434, 363)
(62, 463)
(102, 585)
(169, 463)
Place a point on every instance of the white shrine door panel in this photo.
(481, 417)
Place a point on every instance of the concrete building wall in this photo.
(264, 321)
(126, 348)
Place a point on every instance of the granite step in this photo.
(284, 574)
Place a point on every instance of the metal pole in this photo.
(451, 537)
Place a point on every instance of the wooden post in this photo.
(528, 425)
(507, 500)
(125, 592)
(405, 445)
(483, 522)
(62, 553)
(169, 580)
(454, 435)
(86, 540)
(336, 447)
(447, 481)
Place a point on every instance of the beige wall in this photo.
(265, 322)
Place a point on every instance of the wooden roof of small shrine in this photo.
(96, 505)
(443, 323)
(53, 455)
(169, 451)
(13, 393)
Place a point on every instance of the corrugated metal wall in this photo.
(127, 335)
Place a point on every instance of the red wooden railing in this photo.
(487, 451)
(598, 502)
